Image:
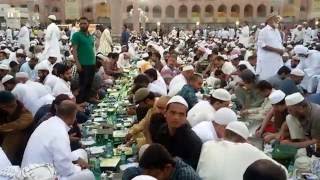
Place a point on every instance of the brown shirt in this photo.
(311, 124)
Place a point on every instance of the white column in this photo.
(116, 19)
(136, 15)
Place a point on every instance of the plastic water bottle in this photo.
(123, 158)
(109, 149)
(96, 168)
(134, 149)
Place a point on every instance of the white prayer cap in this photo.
(64, 37)
(296, 58)
(6, 78)
(276, 96)
(224, 116)
(22, 75)
(221, 94)
(239, 128)
(52, 17)
(101, 56)
(42, 66)
(297, 72)
(233, 57)
(144, 177)
(300, 49)
(20, 51)
(187, 68)
(4, 67)
(7, 51)
(178, 99)
(294, 99)
(299, 26)
(145, 55)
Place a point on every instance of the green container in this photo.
(284, 154)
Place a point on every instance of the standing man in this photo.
(270, 49)
(24, 37)
(52, 37)
(125, 36)
(105, 43)
(83, 53)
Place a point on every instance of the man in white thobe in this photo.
(50, 143)
(9, 34)
(52, 38)
(205, 110)
(228, 159)
(180, 80)
(270, 49)
(244, 35)
(24, 37)
(62, 85)
(105, 42)
(298, 35)
(310, 64)
(214, 129)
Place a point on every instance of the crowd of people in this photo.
(199, 97)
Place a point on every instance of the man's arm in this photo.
(302, 144)
(75, 56)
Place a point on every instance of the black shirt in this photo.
(184, 143)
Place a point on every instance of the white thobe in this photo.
(32, 73)
(105, 42)
(297, 35)
(44, 96)
(268, 63)
(52, 46)
(232, 33)
(202, 111)
(158, 86)
(62, 87)
(9, 35)
(205, 131)
(50, 81)
(47, 146)
(4, 161)
(24, 37)
(48, 64)
(308, 36)
(244, 36)
(225, 34)
(311, 67)
(227, 160)
(122, 62)
(176, 84)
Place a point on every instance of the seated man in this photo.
(214, 129)
(233, 163)
(290, 85)
(255, 116)
(205, 110)
(176, 135)
(303, 121)
(144, 99)
(15, 127)
(164, 166)
(246, 92)
(50, 143)
(281, 75)
(188, 92)
(264, 169)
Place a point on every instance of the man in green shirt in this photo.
(83, 53)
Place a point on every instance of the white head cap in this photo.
(221, 94)
(22, 75)
(144, 177)
(145, 55)
(101, 56)
(224, 116)
(4, 67)
(64, 37)
(20, 51)
(178, 99)
(42, 66)
(239, 128)
(277, 96)
(52, 17)
(6, 78)
(300, 49)
(187, 68)
(294, 99)
(297, 72)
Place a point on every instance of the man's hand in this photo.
(73, 137)
(244, 112)
(79, 67)
(280, 52)
(83, 164)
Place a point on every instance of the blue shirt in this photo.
(288, 86)
(189, 94)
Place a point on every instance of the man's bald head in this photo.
(161, 104)
(67, 111)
